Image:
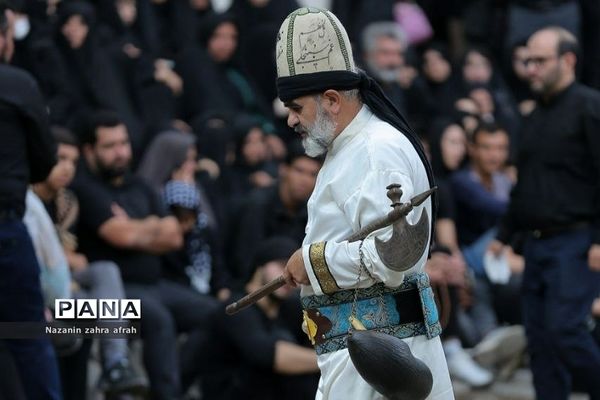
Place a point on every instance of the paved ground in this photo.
(518, 387)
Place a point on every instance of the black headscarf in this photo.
(166, 153)
(292, 87)
(436, 134)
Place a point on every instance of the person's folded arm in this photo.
(152, 234)
(292, 359)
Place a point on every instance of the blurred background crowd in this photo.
(179, 182)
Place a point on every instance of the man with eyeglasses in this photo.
(556, 204)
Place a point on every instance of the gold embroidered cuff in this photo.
(318, 263)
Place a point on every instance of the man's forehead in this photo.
(112, 133)
(544, 41)
(67, 148)
(117, 129)
(388, 41)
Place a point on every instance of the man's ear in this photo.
(88, 152)
(282, 169)
(570, 59)
(471, 148)
(332, 101)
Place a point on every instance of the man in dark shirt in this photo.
(557, 203)
(253, 355)
(278, 210)
(122, 220)
(27, 154)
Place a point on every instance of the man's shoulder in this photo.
(260, 201)
(263, 195)
(84, 179)
(138, 182)
(387, 146)
(16, 83)
(590, 97)
(15, 75)
(463, 175)
(90, 190)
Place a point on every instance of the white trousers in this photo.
(341, 381)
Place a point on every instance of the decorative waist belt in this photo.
(404, 311)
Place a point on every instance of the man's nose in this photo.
(122, 151)
(531, 69)
(292, 119)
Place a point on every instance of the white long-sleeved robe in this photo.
(350, 192)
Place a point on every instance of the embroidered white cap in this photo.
(312, 40)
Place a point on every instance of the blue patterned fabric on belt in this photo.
(405, 311)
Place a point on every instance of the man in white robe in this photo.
(334, 109)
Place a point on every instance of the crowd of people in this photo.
(179, 182)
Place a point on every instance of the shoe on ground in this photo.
(122, 378)
(462, 367)
(500, 346)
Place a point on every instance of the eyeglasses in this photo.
(538, 61)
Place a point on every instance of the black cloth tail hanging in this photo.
(292, 87)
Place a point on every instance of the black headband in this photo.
(292, 87)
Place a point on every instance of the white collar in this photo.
(351, 130)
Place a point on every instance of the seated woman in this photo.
(170, 165)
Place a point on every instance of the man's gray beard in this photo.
(385, 75)
(320, 135)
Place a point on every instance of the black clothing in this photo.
(258, 27)
(170, 308)
(139, 201)
(444, 95)
(93, 81)
(27, 154)
(38, 55)
(142, 32)
(559, 165)
(257, 52)
(74, 372)
(519, 88)
(27, 151)
(242, 359)
(237, 179)
(201, 245)
(173, 27)
(541, 5)
(262, 217)
(216, 87)
(249, 17)
(590, 42)
(415, 101)
(505, 112)
(355, 15)
(446, 206)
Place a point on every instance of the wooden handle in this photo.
(400, 210)
(255, 296)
